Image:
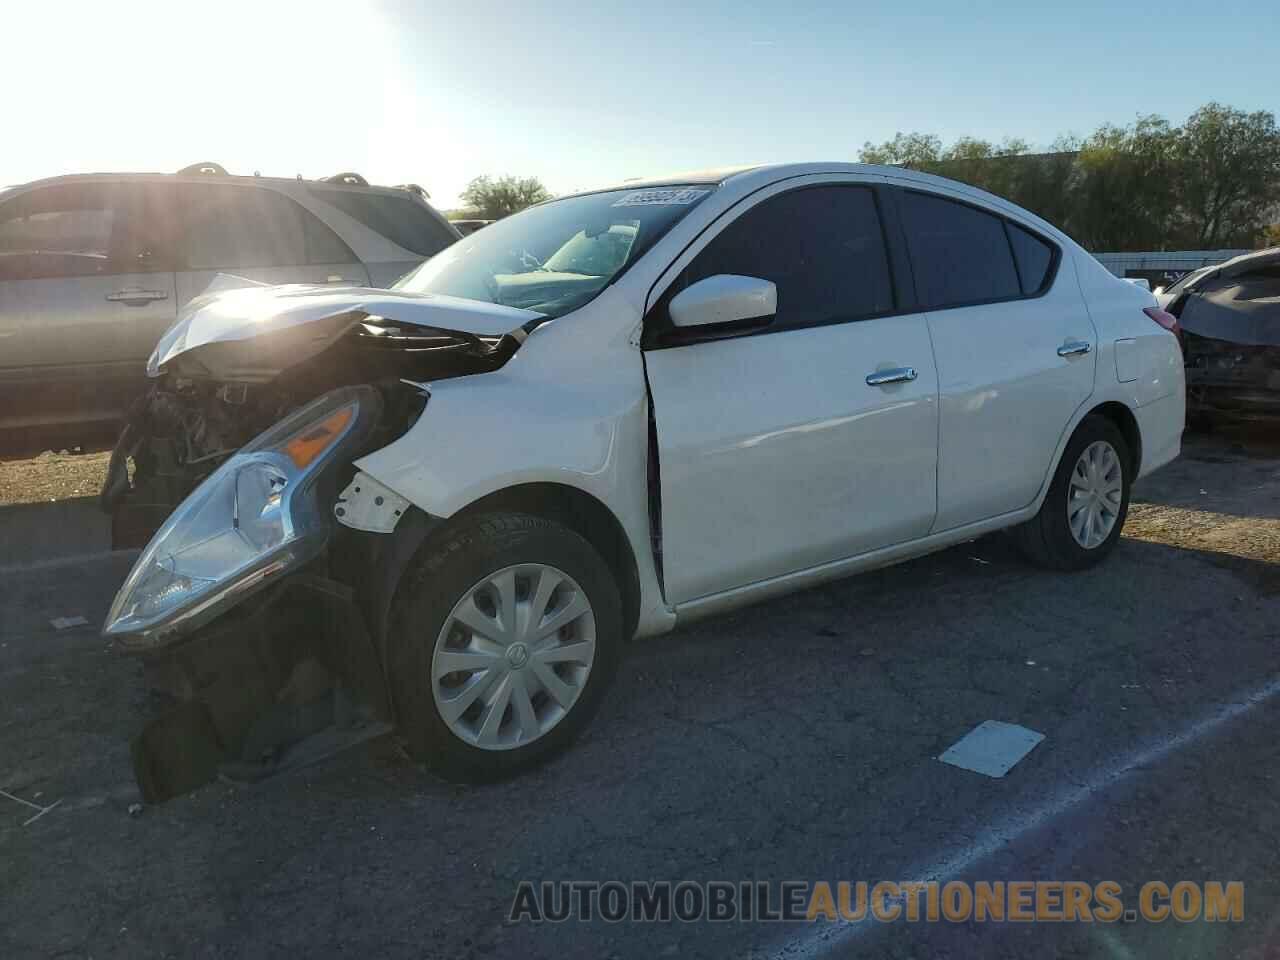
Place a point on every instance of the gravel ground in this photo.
(52, 476)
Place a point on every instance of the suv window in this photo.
(960, 254)
(62, 231)
(822, 246)
(1033, 256)
(235, 226)
(402, 220)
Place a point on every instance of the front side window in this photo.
(822, 247)
(959, 253)
(557, 256)
(62, 231)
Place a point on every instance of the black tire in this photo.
(440, 575)
(1046, 538)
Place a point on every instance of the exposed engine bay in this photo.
(266, 396)
(210, 402)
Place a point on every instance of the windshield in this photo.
(555, 257)
(1186, 279)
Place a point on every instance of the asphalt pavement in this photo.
(795, 740)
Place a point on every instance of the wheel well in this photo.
(586, 516)
(1127, 424)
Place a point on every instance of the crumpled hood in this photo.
(245, 313)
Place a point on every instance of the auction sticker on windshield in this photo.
(682, 196)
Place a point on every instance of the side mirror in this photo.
(1142, 282)
(724, 298)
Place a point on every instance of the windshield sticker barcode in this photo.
(682, 197)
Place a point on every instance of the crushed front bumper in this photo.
(285, 679)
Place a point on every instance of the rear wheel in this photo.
(503, 640)
(1085, 509)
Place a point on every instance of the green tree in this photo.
(1228, 165)
(914, 150)
(493, 198)
(1125, 193)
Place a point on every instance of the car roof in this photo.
(235, 179)
(754, 176)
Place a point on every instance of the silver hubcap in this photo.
(1093, 499)
(513, 656)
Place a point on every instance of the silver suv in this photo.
(95, 267)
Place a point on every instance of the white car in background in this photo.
(646, 405)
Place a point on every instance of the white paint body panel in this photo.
(822, 465)
(779, 467)
(1005, 397)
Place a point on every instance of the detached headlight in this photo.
(255, 518)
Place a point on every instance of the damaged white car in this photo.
(445, 507)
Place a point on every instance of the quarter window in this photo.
(823, 247)
(1034, 258)
(960, 254)
(402, 220)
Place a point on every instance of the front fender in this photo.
(585, 428)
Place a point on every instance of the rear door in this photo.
(775, 453)
(259, 234)
(1014, 345)
(85, 289)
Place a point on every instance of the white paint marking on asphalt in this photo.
(991, 748)
(819, 940)
(72, 561)
(66, 623)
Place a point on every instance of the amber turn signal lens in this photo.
(305, 447)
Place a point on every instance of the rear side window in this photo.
(230, 227)
(57, 232)
(402, 220)
(960, 254)
(1033, 256)
(822, 247)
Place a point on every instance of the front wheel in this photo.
(503, 639)
(1088, 500)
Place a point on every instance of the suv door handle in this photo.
(897, 375)
(1074, 348)
(136, 297)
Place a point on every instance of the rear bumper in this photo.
(1234, 401)
(1160, 425)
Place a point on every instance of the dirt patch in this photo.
(52, 476)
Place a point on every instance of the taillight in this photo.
(1164, 318)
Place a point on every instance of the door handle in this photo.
(1074, 348)
(137, 297)
(897, 375)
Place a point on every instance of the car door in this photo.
(81, 288)
(259, 234)
(775, 453)
(1014, 346)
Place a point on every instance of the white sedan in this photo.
(659, 401)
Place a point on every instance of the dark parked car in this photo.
(1230, 320)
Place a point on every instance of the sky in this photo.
(584, 94)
